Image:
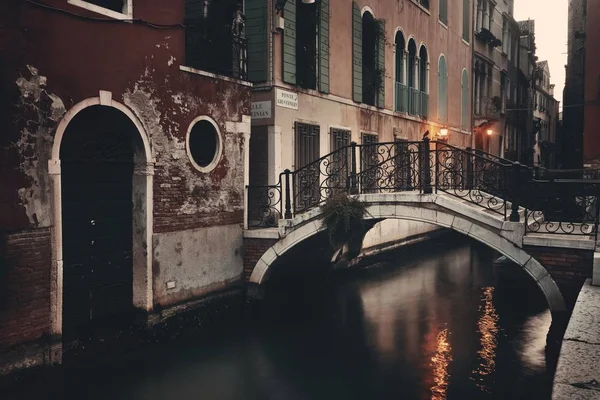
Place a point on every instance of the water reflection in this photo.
(433, 324)
(440, 363)
(488, 330)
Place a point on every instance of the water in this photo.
(436, 321)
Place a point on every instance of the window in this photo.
(118, 9)
(464, 120)
(307, 180)
(203, 143)
(424, 3)
(306, 45)
(504, 36)
(442, 90)
(216, 28)
(466, 32)
(368, 163)
(373, 72)
(400, 85)
(443, 11)
(413, 83)
(339, 162)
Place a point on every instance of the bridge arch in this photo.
(503, 237)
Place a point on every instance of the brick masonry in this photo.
(24, 286)
(568, 267)
(253, 251)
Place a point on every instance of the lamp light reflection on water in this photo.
(488, 331)
(440, 362)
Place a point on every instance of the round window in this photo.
(203, 144)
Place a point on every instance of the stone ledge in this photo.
(559, 241)
(580, 353)
(265, 233)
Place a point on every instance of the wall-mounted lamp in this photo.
(443, 133)
(490, 132)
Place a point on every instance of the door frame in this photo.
(142, 212)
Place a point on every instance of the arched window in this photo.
(464, 120)
(400, 84)
(442, 89)
(423, 81)
(413, 83)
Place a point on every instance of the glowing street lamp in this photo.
(489, 132)
(443, 132)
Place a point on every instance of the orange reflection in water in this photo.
(440, 362)
(488, 331)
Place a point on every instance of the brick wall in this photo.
(568, 267)
(253, 251)
(25, 259)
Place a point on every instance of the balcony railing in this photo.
(424, 105)
(401, 97)
(414, 103)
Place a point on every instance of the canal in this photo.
(433, 321)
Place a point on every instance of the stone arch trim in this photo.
(367, 9)
(143, 185)
(440, 218)
(104, 99)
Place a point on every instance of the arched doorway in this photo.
(97, 163)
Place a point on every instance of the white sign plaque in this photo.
(286, 99)
(261, 109)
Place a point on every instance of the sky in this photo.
(550, 35)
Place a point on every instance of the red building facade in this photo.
(123, 162)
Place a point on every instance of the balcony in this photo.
(488, 109)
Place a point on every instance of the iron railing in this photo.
(401, 97)
(504, 187)
(414, 102)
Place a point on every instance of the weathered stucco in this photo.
(195, 262)
(40, 113)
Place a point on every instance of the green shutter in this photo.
(465, 101)
(381, 63)
(256, 32)
(466, 20)
(356, 54)
(289, 42)
(324, 46)
(443, 91)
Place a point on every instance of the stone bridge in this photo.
(556, 248)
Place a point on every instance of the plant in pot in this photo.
(344, 218)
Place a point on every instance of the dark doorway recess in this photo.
(97, 168)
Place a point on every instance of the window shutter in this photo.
(465, 101)
(324, 46)
(289, 42)
(381, 63)
(356, 54)
(466, 20)
(256, 32)
(442, 91)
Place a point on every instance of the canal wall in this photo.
(577, 373)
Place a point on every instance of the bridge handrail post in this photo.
(470, 159)
(516, 186)
(426, 167)
(288, 204)
(353, 186)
